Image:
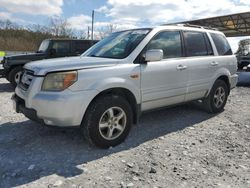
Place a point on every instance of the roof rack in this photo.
(191, 25)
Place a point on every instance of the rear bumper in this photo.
(233, 81)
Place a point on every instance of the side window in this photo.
(197, 44)
(61, 47)
(81, 46)
(221, 44)
(169, 42)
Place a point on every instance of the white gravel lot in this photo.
(181, 146)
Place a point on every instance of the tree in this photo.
(244, 47)
(105, 31)
(7, 24)
(60, 27)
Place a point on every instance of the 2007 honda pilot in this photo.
(105, 90)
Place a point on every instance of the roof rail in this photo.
(191, 25)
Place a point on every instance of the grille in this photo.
(26, 79)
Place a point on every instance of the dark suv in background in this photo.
(243, 60)
(49, 48)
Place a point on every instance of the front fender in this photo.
(14, 63)
(100, 79)
(115, 82)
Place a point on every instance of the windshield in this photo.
(117, 45)
(44, 46)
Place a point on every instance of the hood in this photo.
(29, 56)
(41, 68)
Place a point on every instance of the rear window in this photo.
(221, 44)
(197, 44)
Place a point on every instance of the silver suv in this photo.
(105, 90)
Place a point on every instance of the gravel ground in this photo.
(181, 146)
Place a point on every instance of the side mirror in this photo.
(154, 55)
(52, 52)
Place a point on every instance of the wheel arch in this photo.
(226, 80)
(223, 77)
(11, 68)
(127, 94)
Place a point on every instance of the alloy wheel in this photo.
(112, 123)
(219, 97)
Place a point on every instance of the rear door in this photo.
(199, 59)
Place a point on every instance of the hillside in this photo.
(21, 40)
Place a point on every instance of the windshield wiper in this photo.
(93, 55)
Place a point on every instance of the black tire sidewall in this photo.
(94, 113)
(12, 75)
(218, 83)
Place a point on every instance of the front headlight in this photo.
(59, 81)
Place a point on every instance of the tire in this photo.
(102, 129)
(217, 98)
(14, 75)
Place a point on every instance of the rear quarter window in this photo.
(221, 44)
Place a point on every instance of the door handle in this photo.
(181, 67)
(214, 63)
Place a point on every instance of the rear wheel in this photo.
(14, 76)
(216, 100)
(107, 121)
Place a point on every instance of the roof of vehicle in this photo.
(179, 27)
(63, 39)
(189, 27)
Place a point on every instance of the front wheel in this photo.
(216, 100)
(14, 76)
(107, 121)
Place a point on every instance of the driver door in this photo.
(164, 82)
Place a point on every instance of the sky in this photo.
(124, 14)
